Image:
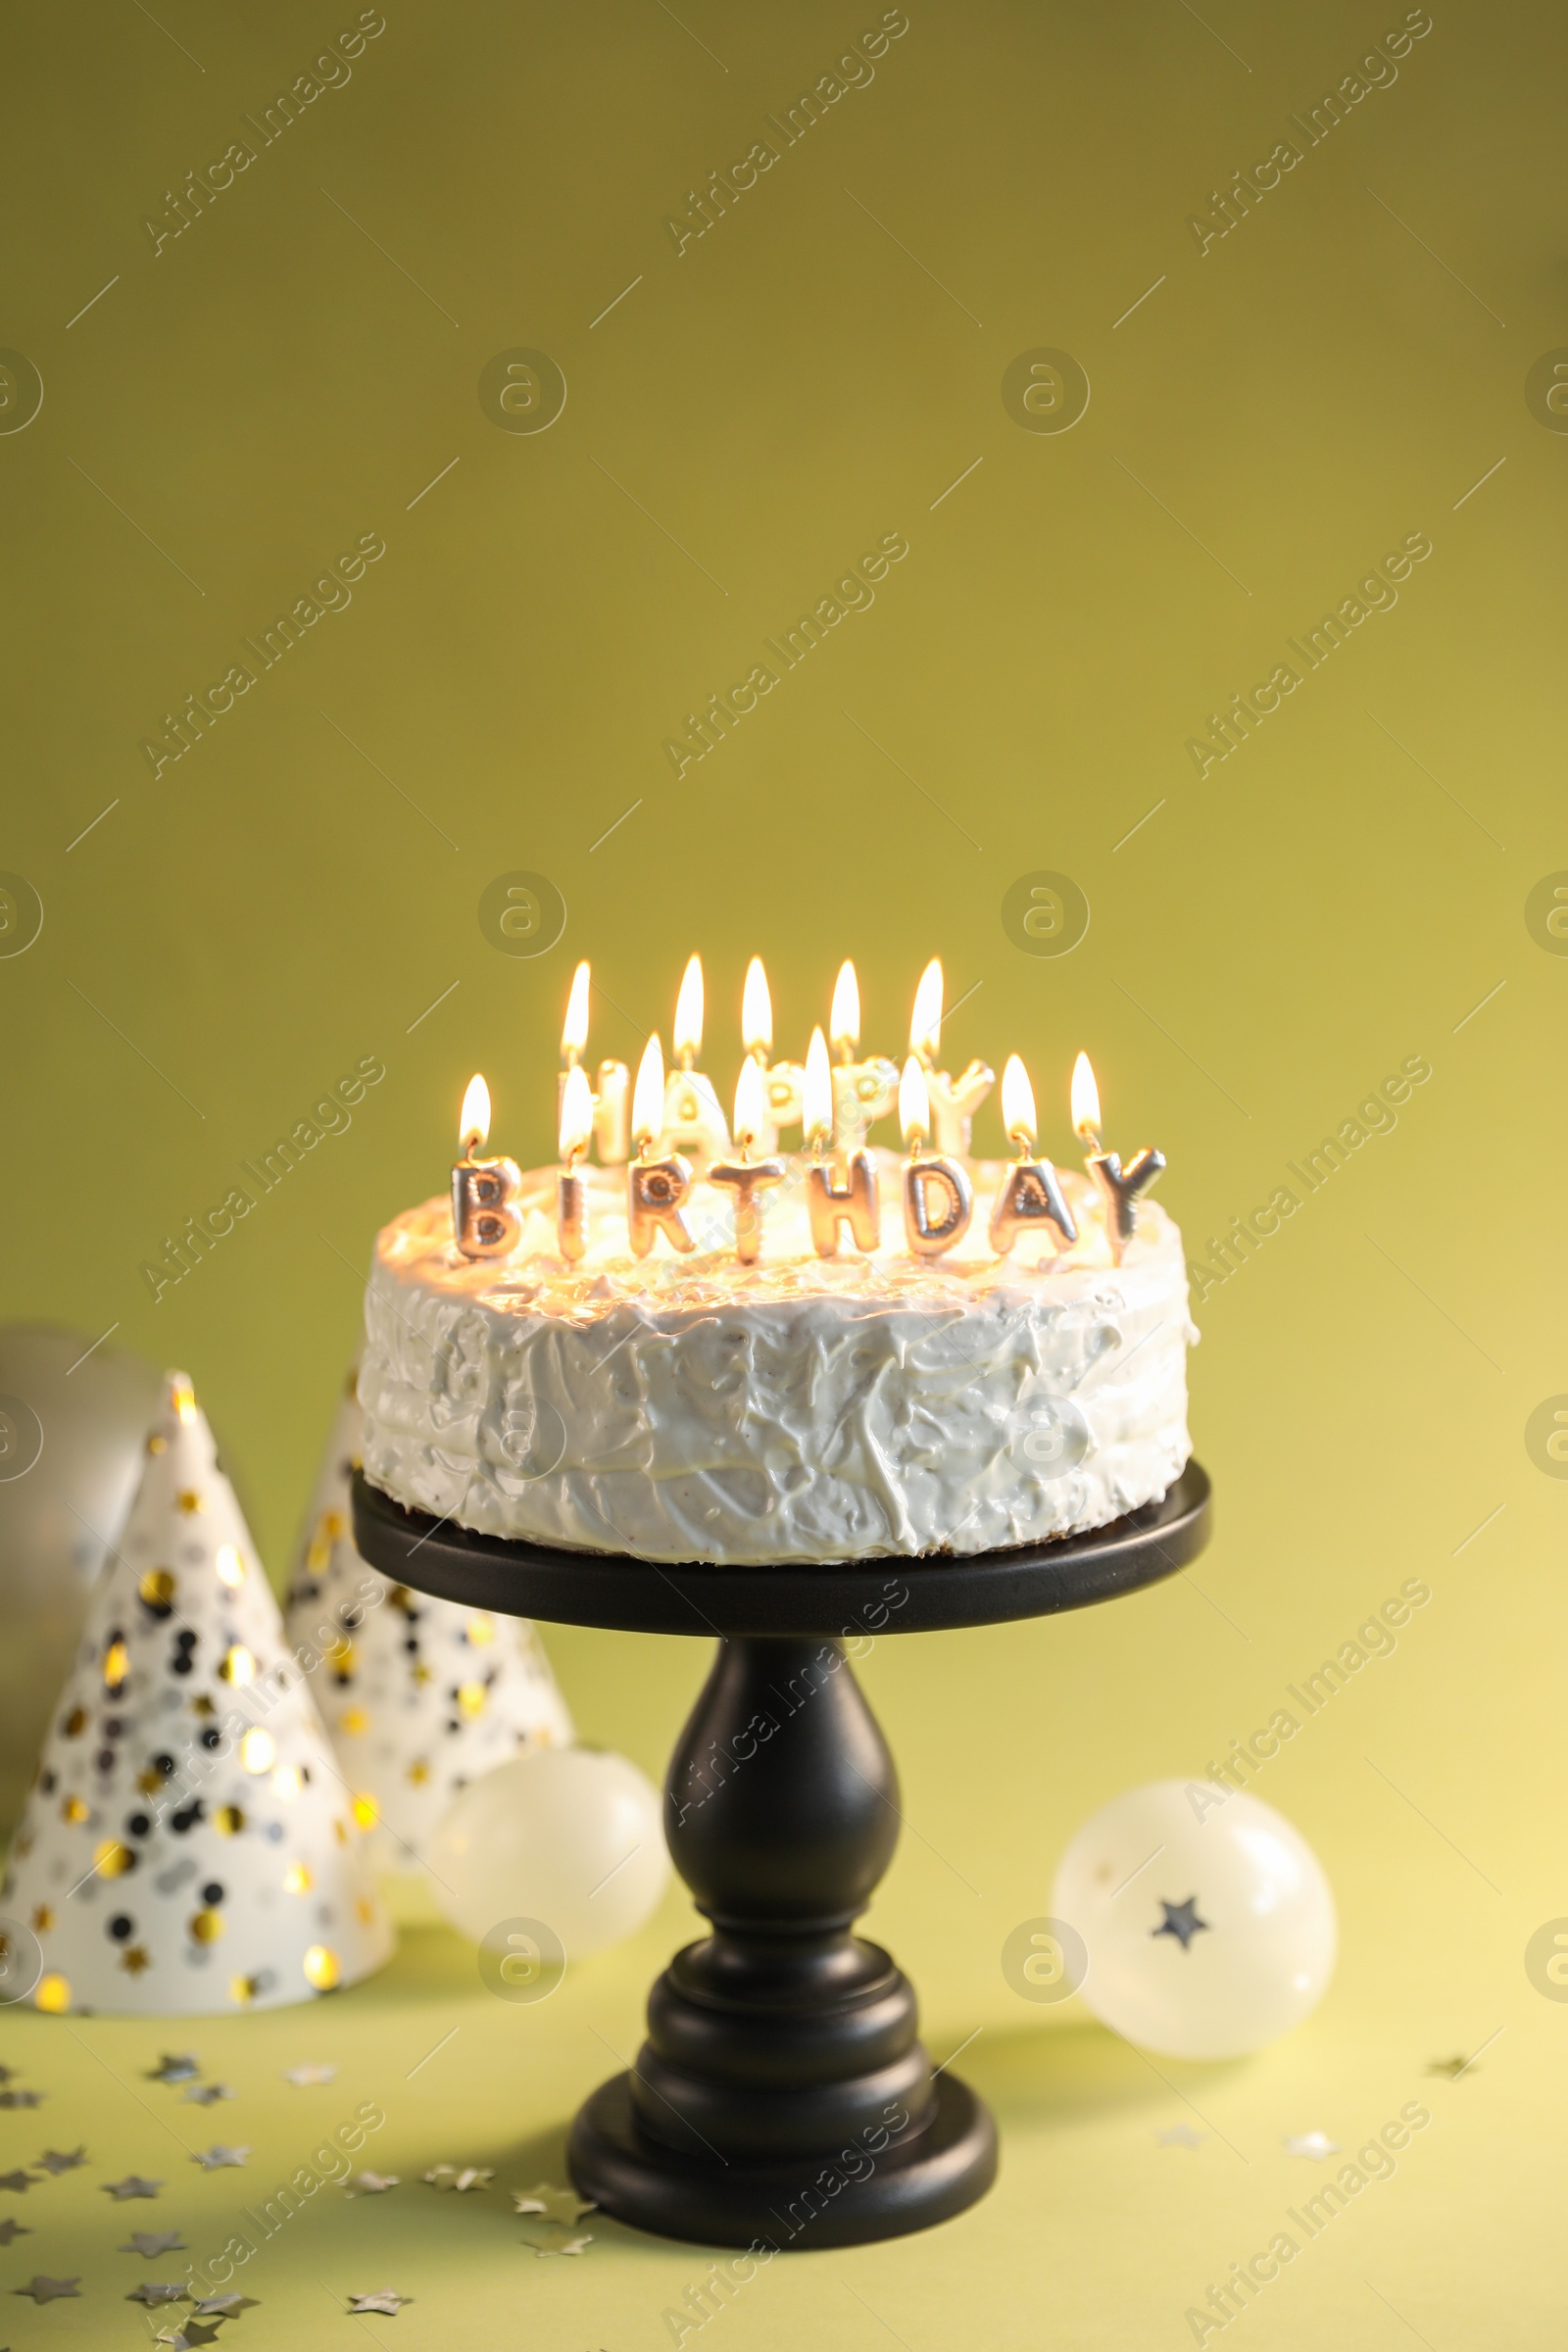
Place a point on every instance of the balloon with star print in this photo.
(189, 1844)
(420, 1696)
(1208, 1922)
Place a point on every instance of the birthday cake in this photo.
(852, 1356)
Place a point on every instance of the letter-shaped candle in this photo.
(954, 1100)
(1119, 1187)
(747, 1176)
(831, 1205)
(656, 1187)
(1030, 1197)
(484, 1222)
(576, 1125)
(929, 1177)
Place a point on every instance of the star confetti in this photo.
(49, 2290)
(21, 2098)
(187, 2335)
(52, 2160)
(132, 2186)
(452, 2176)
(385, 2299)
(179, 2069)
(214, 2158)
(556, 2204)
(10, 2229)
(1316, 2144)
(370, 2184)
(302, 2076)
(207, 2094)
(152, 2291)
(1181, 2136)
(1181, 1920)
(20, 2181)
(573, 2245)
(150, 2243)
(223, 2307)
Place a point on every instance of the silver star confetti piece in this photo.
(573, 2245)
(21, 2098)
(467, 2175)
(181, 2068)
(556, 2204)
(370, 2184)
(132, 2186)
(10, 2229)
(1316, 2144)
(302, 2076)
(150, 2243)
(20, 2181)
(49, 2290)
(53, 2161)
(207, 2094)
(223, 2306)
(1180, 2135)
(187, 2336)
(385, 2299)
(152, 2291)
(211, 2159)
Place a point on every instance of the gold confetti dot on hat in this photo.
(321, 1967)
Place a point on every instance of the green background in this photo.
(1342, 892)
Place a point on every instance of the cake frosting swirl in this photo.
(691, 1407)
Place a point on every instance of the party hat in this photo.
(420, 1696)
(189, 1844)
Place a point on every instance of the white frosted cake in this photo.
(801, 1408)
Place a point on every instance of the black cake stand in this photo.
(782, 2098)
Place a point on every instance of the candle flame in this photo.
(648, 1096)
(750, 1105)
(1017, 1102)
(756, 1011)
(687, 1036)
(575, 1028)
(473, 1124)
(576, 1111)
(914, 1097)
(1085, 1102)
(182, 1396)
(926, 1021)
(844, 1022)
(816, 1094)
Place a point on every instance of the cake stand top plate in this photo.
(895, 1594)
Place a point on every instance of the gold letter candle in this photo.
(484, 1222)
(657, 1187)
(609, 1105)
(748, 1176)
(863, 1091)
(1030, 1197)
(938, 1201)
(576, 1125)
(692, 1120)
(830, 1206)
(954, 1102)
(781, 1080)
(1118, 1187)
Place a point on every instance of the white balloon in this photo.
(1209, 1925)
(569, 1836)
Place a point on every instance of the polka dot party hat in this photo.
(190, 1844)
(419, 1695)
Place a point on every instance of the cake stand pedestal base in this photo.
(783, 2096)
